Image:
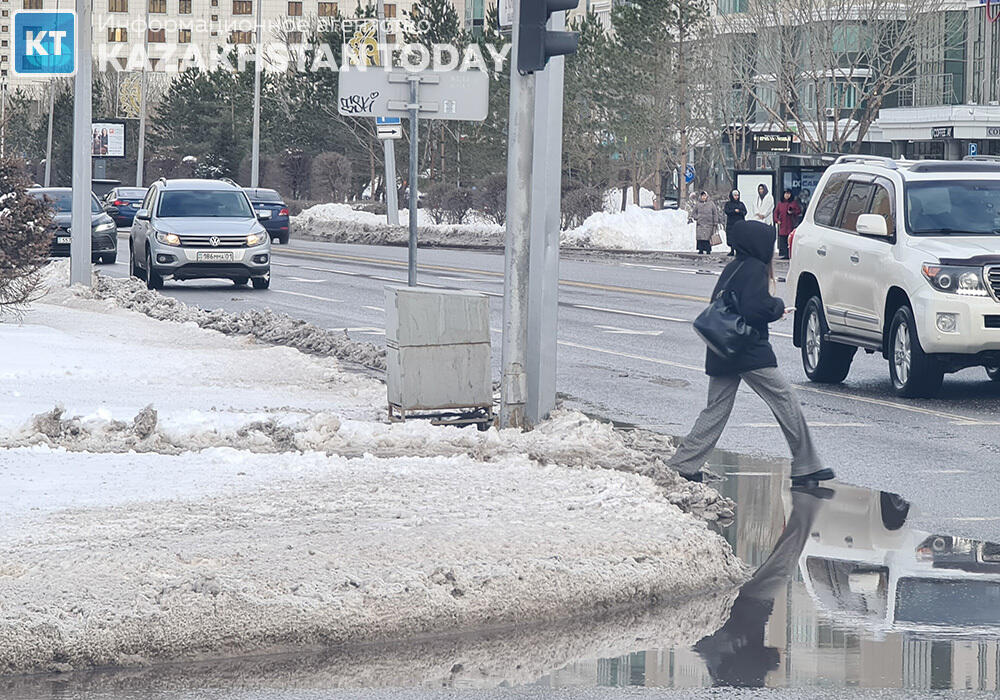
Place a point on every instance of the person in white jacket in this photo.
(762, 207)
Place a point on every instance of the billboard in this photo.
(108, 140)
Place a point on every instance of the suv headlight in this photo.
(104, 228)
(955, 279)
(168, 238)
(257, 239)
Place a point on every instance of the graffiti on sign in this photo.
(358, 104)
(364, 44)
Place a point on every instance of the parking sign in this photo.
(44, 43)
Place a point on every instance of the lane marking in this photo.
(307, 296)
(942, 471)
(374, 308)
(811, 425)
(305, 279)
(654, 360)
(615, 330)
(655, 317)
(364, 329)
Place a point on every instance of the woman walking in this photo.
(762, 208)
(706, 217)
(787, 215)
(747, 277)
(735, 210)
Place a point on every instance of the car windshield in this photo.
(205, 203)
(269, 196)
(948, 602)
(953, 207)
(62, 200)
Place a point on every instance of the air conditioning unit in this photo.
(831, 113)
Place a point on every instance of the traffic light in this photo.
(535, 44)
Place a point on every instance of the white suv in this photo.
(902, 258)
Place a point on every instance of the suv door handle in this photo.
(821, 251)
(855, 258)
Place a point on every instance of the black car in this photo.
(103, 231)
(123, 202)
(269, 200)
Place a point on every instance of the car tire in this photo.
(824, 362)
(133, 269)
(914, 373)
(110, 259)
(153, 280)
(262, 282)
(893, 510)
(284, 239)
(241, 281)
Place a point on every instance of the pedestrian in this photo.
(747, 277)
(787, 215)
(735, 210)
(762, 208)
(707, 219)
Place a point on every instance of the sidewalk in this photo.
(197, 494)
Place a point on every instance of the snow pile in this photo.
(343, 224)
(613, 199)
(263, 324)
(635, 229)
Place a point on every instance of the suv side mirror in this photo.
(142, 215)
(872, 225)
(263, 214)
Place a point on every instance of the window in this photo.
(327, 9)
(32, 4)
(856, 204)
(242, 7)
(117, 35)
(295, 9)
(204, 203)
(294, 38)
(156, 36)
(4, 43)
(826, 208)
(390, 11)
(158, 6)
(184, 7)
(117, 5)
(239, 37)
(183, 36)
(215, 3)
(882, 204)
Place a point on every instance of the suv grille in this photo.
(204, 241)
(993, 280)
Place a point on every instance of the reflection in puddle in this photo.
(845, 593)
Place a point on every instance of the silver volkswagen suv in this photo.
(195, 229)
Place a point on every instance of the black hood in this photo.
(753, 239)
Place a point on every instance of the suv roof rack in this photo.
(987, 159)
(871, 160)
(955, 166)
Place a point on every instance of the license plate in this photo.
(215, 257)
(64, 240)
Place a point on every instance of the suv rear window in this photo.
(204, 203)
(826, 208)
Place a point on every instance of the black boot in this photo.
(805, 480)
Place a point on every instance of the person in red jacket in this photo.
(787, 215)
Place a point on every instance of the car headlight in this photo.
(955, 279)
(168, 238)
(257, 239)
(104, 228)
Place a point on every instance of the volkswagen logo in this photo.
(214, 241)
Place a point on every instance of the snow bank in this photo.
(203, 495)
(635, 229)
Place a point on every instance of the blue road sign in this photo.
(387, 121)
(689, 174)
(973, 149)
(44, 43)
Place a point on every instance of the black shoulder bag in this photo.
(722, 326)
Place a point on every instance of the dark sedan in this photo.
(123, 203)
(269, 200)
(103, 231)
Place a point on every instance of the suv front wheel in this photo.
(824, 361)
(914, 373)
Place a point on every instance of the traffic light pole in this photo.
(520, 152)
(80, 244)
(414, 107)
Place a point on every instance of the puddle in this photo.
(846, 594)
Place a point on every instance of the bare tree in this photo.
(824, 68)
(24, 238)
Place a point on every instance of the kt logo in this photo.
(44, 42)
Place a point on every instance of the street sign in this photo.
(387, 121)
(973, 149)
(455, 95)
(389, 131)
(689, 174)
(506, 14)
(44, 43)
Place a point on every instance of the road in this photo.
(627, 352)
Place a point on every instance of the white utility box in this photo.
(438, 351)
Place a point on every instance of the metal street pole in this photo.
(513, 384)
(388, 145)
(257, 65)
(80, 265)
(48, 140)
(414, 108)
(140, 161)
(3, 120)
(543, 267)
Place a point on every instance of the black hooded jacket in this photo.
(748, 277)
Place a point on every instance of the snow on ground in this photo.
(195, 494)
(635, 229)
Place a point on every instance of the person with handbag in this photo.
(734, 326)
(707, 220)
